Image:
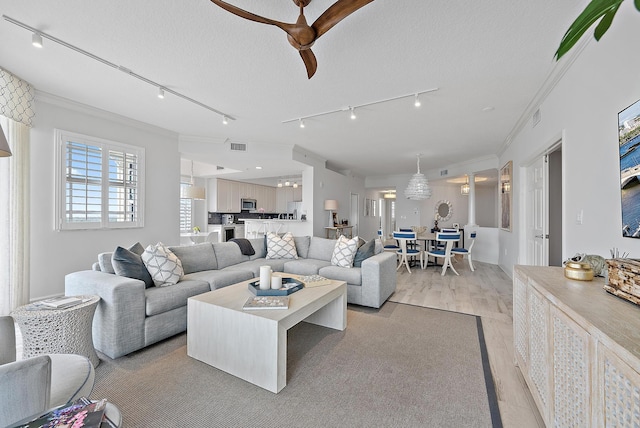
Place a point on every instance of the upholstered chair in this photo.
(31, 386)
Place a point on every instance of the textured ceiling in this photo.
(479, 54)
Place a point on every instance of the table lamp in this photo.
(331, 205)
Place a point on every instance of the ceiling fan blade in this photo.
(309, 61)
(336, 13)
(252, 16)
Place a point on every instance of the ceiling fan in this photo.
(300, 35)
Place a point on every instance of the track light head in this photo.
(353, 113)
(36, 40)
(301, 123)
(417, 102)
(161, 93)
(224, 120)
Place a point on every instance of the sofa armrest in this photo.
(118, 323)
(378, 279)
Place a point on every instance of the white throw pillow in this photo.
(344, 251)
(164, 266)
(281, 248)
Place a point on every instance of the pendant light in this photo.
(418, 187)
(191, 191)
(464, 189)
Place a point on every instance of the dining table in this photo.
(196, 238)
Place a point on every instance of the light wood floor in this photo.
(488, 293)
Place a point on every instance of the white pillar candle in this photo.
(276, 282)
(265, 277)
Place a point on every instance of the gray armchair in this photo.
(34, 385)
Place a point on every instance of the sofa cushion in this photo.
(253, 266)
(220, 278)
(228, 253)
(104, 260)
(302, 245)
(195, 258)
(163, 299)
(164, 266)
(321, 248)
(281, 248)
(260, 247)
(72, 377)
(305, 266)
(364, 252)
(344, 251)
(350, 276)
(129, 264)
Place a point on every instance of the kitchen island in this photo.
(255, 228)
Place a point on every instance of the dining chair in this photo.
(405, 252)
(466, 251)
(448, 240)
(389, 247)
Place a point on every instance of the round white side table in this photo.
(58, 331)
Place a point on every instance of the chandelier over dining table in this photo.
(418, 187)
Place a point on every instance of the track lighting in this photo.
(295, 184)
(287, 183)
(36, 40)
(224, 120)
(352, 109)
(161, 93)
(279, 183)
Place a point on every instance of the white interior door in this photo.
(354, 214)
(537, 234)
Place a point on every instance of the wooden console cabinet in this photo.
(578, 348)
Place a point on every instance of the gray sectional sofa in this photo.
(130, 316)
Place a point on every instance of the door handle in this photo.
(542, 236)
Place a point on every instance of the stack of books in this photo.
(82, 413)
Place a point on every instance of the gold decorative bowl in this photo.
(579, 271)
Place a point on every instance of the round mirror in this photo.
(444, 210)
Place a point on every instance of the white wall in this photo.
(583, 105)
(54, 254)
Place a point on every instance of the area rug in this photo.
(399, 366)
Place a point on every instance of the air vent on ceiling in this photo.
(218, 167)
(238, 147)
(444, 172)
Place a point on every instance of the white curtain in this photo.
(16, 102)
(14, 218)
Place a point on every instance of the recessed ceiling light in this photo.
(258, 167)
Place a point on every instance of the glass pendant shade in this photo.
(464, 189)
(418, 187)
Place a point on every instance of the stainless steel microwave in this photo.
(248, 204)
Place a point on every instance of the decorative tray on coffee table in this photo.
(289, 285)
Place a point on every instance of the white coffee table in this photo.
(252, 345)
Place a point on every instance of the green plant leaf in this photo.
(593, 12)
(605, 23)
(637, 3)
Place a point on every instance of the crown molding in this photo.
(55, 100)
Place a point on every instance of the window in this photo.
(186, 206)
(100, 183)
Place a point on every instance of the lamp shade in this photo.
(331, 205)
(193, 192)
(4, 145)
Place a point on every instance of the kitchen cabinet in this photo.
(577, 348)
(224, 196)
(285, 195)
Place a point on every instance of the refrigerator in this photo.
(294, 209)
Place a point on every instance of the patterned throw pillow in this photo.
(164, 266)
(281, 248)
(344, 251)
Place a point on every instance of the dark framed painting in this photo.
(629, 152)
